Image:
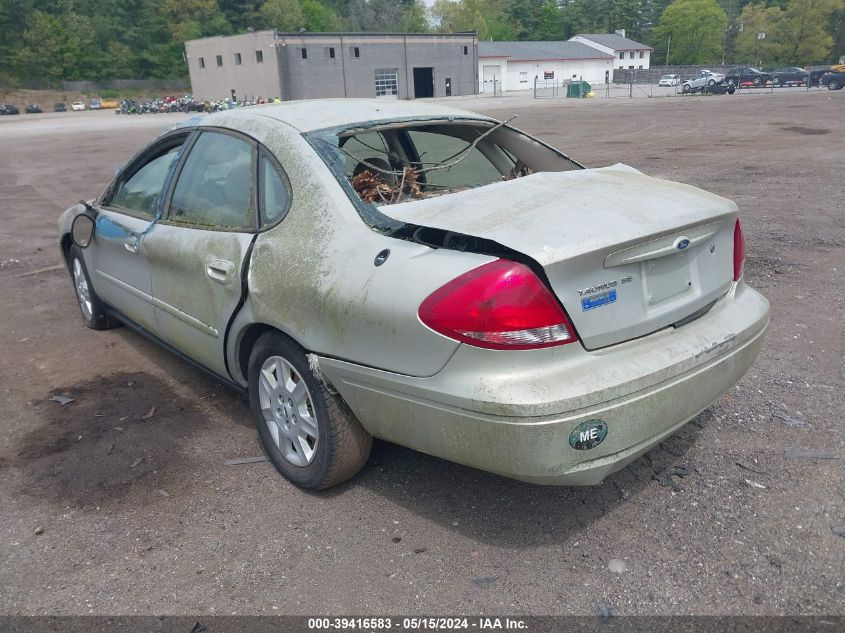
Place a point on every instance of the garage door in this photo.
(491, 76)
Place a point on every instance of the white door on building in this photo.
(491, 78)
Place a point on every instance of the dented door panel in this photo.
(196, 286)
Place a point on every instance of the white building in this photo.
(515, 65)
(626, 53)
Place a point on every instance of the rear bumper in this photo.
(512, 413)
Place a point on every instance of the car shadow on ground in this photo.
(231, 403)
(506, 513)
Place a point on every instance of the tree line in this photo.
(54, 40)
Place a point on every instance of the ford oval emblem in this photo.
(682, 243)
(587, 435)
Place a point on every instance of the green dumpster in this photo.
(579, 89)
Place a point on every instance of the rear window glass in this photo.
(397, 162)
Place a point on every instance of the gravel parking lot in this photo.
(120, 502)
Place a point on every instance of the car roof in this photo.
(315, 114)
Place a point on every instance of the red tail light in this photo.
(500, 305)
(739, 251)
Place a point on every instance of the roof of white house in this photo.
(615, 41)
(525, 51)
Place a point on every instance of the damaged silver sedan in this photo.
(423, 275)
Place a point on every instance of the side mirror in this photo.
(82, 230)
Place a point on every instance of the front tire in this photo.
(309, 433)
(711, 83)
(685, 88)
(758, 82)
(94, 312)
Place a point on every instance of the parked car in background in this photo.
(833, 81)
(94, 104)
(706, 78)
(33, 108)
(747, 75)
(8, 109)
(790, 75)
(109, 104)
(816, 76)
(61, 106)
(669, 80)
(77, 106)
(515, 312)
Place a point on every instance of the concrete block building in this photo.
(268, 64)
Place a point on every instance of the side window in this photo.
(141, 190)
(215, 185)
(274, 192)
(472, 171)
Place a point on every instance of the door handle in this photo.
(131, 244)
(220, 270)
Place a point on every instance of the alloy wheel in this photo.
(83, 293)
(288, 411)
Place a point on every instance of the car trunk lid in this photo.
(625, 253)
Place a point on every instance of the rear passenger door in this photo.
(198, 251)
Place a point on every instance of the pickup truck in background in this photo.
(833, 80)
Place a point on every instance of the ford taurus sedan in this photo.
(424, 275)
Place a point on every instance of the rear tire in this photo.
(94, 312)
(309, 433)
(776, 82)
(833, 85)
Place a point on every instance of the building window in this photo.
(622, 55)
(329, 50)
(387, 83)
(202, 62)
(237, 59)
(219, 60)
(630, 67)
(548, 74)
(356, 52)
(259, 57)
(466, 50)
(642, 54)
(641, 66)
(303, 53)
(523, 77)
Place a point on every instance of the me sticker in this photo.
(599, 300)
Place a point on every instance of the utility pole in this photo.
(667, 49)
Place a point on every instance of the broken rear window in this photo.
(402, 161)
